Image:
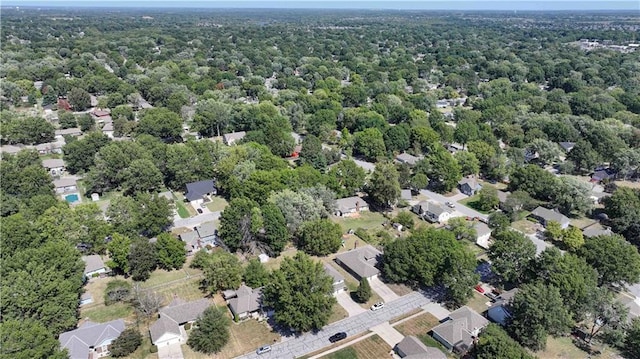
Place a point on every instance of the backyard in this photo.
(563, 348)
(217, 204)
(366, 220)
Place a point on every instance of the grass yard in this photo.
(419, 325)
(161, 276)
(217, 204)
(337, 313)
(473, 202)
(375, 298)
(563, 348)
(478, 302)
(244, 337)
(102, 314)
(399, 289)
(144, 350)
(96, 287)
(182, 211)
(525, 226)
(274, 263)
(366, 220)
(474, 248)
(180, 203)
(582, 222)
(372, 347)
(188, 290)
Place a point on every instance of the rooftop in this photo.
(79, 341)
(350, 203)
(196, 190)
(52, 163)
(92, 263)
(550, 215)
(412, 347)
(362, 261)
(463, 326)
(246, 300)
(64, 182)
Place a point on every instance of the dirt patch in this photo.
(399, 289)
(419, 325)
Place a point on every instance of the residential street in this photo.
(360, 323)
(196, 220)
(466, 211)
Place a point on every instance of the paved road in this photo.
(466, 211)
(196, 220)
(360, 323)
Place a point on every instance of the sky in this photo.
(351, 4)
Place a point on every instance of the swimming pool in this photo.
(72, 198)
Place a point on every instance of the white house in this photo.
(93, 265)
(483, 234)
(231, 138)
(350, 206)
(64, 185)
(432, 212)
(338, 280)
(169, 329)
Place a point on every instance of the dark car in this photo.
(337, 337)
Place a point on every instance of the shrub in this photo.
(117, 290)
(363, 293)
(187, 326)
(126, 343)
(153, 349)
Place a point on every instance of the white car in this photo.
(377, 306)
(263, 349)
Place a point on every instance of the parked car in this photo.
(377, 306)
(337, 337)
(199, 210)
(450, 204)
(263, 349)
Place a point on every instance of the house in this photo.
(432, 212)
(338, 279)
(49, 148)
(244, 302)
(469, 185)
(454, 148)
(499, 310)
(64, 185)
(545, 215)
(442, 103)
(407, 158)
(102, 116)
(595, 230)
(405, 195)
(350, 206)
(169, 329)
(63, 104)
(460, 330)
(10, 149)
(567, 146)
(192, 242)
(94, 266)
(412, 347)
(196, 191)
(207, 233)
(603, 175)
(502, 198)
(91, 340)
(107, 129)
(361, 262)
(231, 138)
(54, 166)
(74, 131)
(483, 234)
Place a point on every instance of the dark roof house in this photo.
(469, 185)
(361, 262)
(244, 301)
(197, 190)
(545, 215)
(459, 331)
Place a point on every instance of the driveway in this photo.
(464, 210)
(353, 308)
(196, 220)
(355, 325)
(383, 291)
(437, 310)
(388, 333)
(173, 351)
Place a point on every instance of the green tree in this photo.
(320, 237)
(211, 332)
(441, 169)
(572, 196)
(255, 274)
(511, 254)
(145, 214)
(405, 219)
(419, 181)
(79, 99)
(86, 122)
(623, 209)
(142, 175)
(370, 144)
(276, 234)
(363, 293)
(235, 223)
(573, 238)
(462, 228)
(66, 119)
(222, 271)
(553, 231)
(79, 155)
(632, 341)
(170, 252)
(383, 188)
(211, 117)
(606, 317)
(300, 293)
(469, 164)
(126, 343)
(142, 259)
(488, 198)
(616, 260)
(346, 178)
(495, 343)
(28, 339)
(537, 310)
(119, 249)
(160, 122)
(312, 153)
(297, 207)
(117, 290)
(498, 221)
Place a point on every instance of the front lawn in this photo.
(372, 347)
(217, 204)
(473, 202)
(337, 313)
(525, 226)
(182, 211)
(419, 325)
(346, 353)
(478, 302)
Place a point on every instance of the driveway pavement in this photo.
(173, 351)
(464, 210)
(353, 308)
(383, 290)
(437, 310)
(360, 323)
(388, 333)
(196, 220)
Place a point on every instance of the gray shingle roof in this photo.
(52, 163)
(196, 190)
(458, 331)
(481, 229)
(162, 326)
(549, 215)
(407, 158)
(206, 229)
(233, 136)
(333, 273)
(412, 347)
(361, 261)
(64, 182)
(90, 334)
(350, 203)
(432, 207)
(92, 263)
(247, 300)
(186, 312)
